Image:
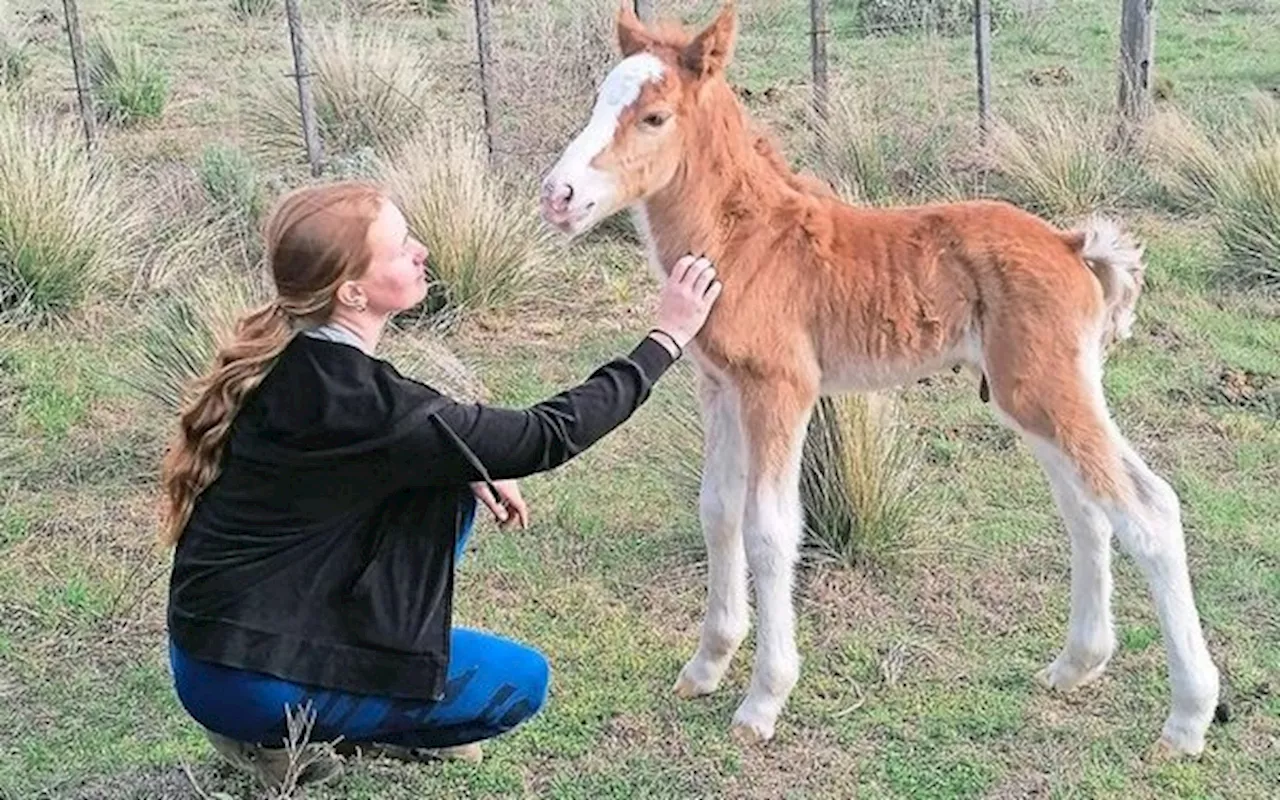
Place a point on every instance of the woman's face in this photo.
(396, 279)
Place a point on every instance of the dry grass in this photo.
(1058, 161)
(857, 480)
(1183, 161)
(67, 224)
(15, 49)
(254, 8)
(876, 155)
(487, 244)
(1235, 175)
(545, 101)
(184, 329)
(372, 88)
(1248, 218)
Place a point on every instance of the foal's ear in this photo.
(632, 35)
(712, 50)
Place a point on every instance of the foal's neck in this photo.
(723, 181)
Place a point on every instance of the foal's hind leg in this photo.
(1097, 474)
(1090, 635)
(720, 505)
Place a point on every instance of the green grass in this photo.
(916, 682)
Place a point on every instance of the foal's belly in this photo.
(869, 375)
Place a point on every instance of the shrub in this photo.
(230, 183)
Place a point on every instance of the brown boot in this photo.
(272, 767)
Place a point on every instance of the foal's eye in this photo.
(655, 120)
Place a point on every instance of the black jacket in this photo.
(323, 552)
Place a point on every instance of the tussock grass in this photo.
(1248, 218)
(858, 487)
(247, 9)
(877, 156)
(1059, 162)
(429, 8)
(129, 86)
(372, 89)
(1235, 175)
(15, 49)
(857, 481)
(66, 221)
(184, 329)
(487, 244)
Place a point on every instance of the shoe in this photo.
(467, 753)
(271, 765)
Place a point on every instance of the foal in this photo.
(823, 297)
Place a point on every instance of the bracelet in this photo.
(670, 338)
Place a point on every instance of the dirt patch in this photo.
(1246, 389)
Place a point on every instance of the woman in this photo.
(319, 502)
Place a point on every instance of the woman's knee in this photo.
(532, 674)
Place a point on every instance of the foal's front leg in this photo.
(776, 420)
(720, 504)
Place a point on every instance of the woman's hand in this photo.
(508, 508)
(687, 296)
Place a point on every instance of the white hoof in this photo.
(696, 680)
(752, 726)
(1064, 675)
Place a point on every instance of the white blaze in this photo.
(619, 90)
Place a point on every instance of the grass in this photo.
(129, 85)
(916, 680)
(228, 178)
(487, 246)
(67, 224)
(249, 9)
(1236, 178)
(372, 88)
(856, 481)
(15, 49)
(1058, 161)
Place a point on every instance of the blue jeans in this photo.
(493, 684)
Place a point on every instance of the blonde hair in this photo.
(316, 238)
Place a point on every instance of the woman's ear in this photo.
(351, 295)
(633, 37)
(712, 50)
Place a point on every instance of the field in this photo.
(917, 678)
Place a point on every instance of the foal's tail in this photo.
(1116, 261)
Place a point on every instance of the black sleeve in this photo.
(513, 443)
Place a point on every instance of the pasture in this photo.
(917, 672)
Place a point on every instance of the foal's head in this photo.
(635, 140)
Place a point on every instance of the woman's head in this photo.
(337, 251)
(342, 250)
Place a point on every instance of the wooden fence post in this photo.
(79, 63)
(982, 52)
(484, 37)
(306, 105)
(1137, 54)
(818, 54)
